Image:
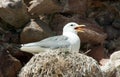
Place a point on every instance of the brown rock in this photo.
(77, 7)
(38, 7)
(36, 30)
(97, 52)
(104, 12)
(9, 66)
(94, 8)
(92, 36)
(61, 63)
(14, 12)
(27, 2)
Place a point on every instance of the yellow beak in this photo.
(80, 28)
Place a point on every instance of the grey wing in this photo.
(52, 42)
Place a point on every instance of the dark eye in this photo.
(71, 25)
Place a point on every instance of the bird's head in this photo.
(73, 27)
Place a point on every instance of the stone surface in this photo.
(111, 32)
(105, 18)
(38, 7)
(97, 52)
(61, 63)
(27, 2)
(76, 7)
(9, 66)
(35, 30)
(113, 45)
(116, 23)
(14, 12)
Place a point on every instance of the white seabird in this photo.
(68, 40)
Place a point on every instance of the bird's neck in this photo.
(73, 39)
(70, 34)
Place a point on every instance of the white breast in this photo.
(74, 40)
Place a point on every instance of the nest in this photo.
(61, 63)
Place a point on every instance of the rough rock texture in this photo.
(116, 23)
(14, 12)
(114, 44)
(92, 36)
(36, 30)
(112, 32)
(97, 52)
(9, 66)
(61, 63)
(76, 7)
(38, 7)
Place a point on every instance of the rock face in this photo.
(14, 12)
(61, 63)
(9, 66)
(36, 30)
(76, 7)
(38, 7)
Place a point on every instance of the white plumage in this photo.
(68, 40)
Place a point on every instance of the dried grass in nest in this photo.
(61, 63)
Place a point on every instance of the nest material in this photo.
(61, 64)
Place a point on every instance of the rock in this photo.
(35, 30)
(97, 52)
(27, 2)
(111, 32)
(14, 12)
(61, 63)
(93, 34)
(116, 23)
(9, 66)
(14, 50)
(76, 7)
(102, 11)
(95, 7)
(114, 45)
(38, 7)
(4, 24)
(105, 18)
